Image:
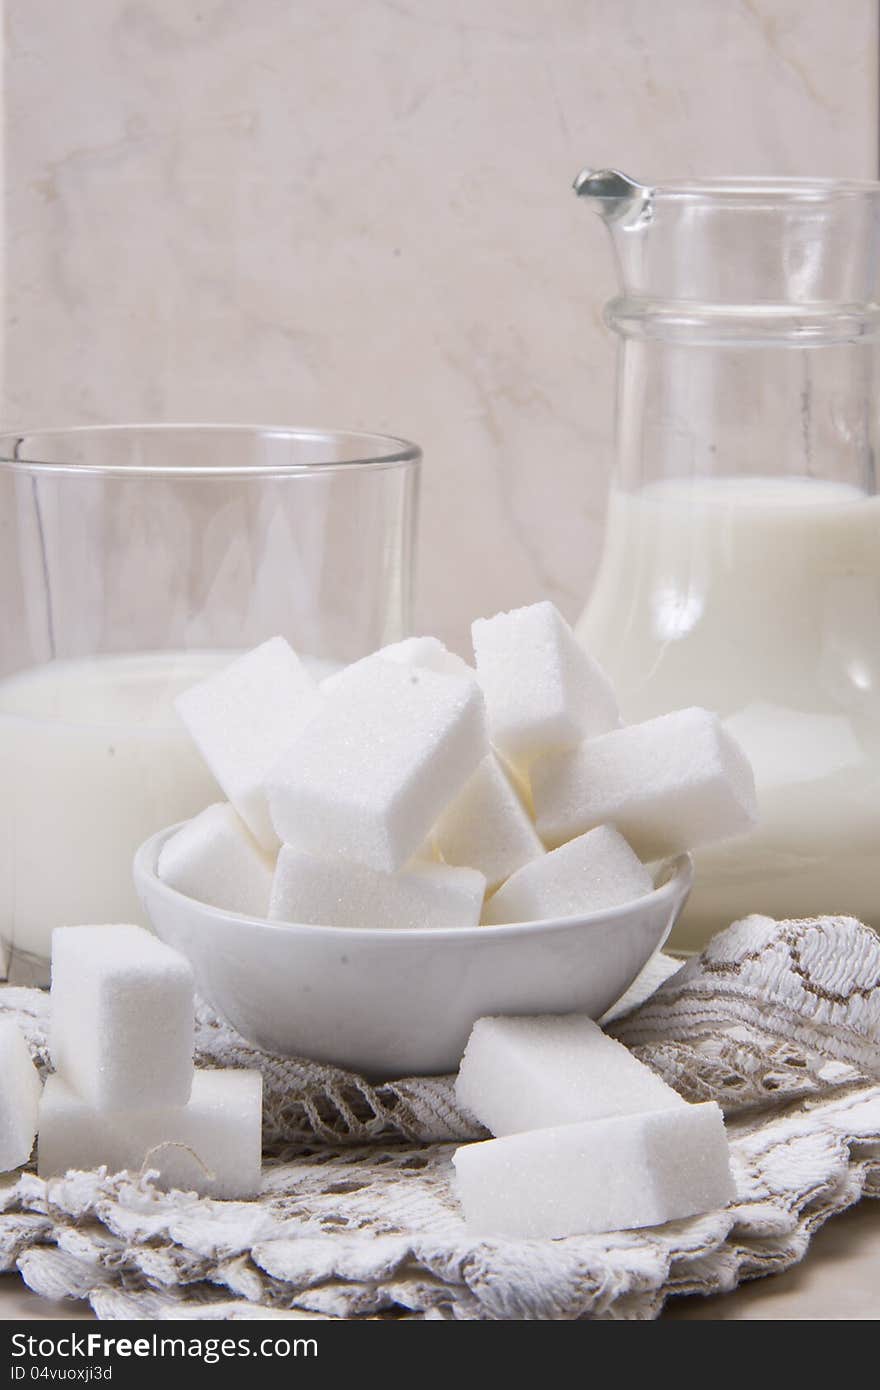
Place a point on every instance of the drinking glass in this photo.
(135, 560)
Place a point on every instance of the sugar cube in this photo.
(670, 784)
(617, 1174)
(211, 1145)
(593, 871)
(20, 1088)
(243, 718)
(487, 825)
(121, 1021)
(215, 859)
(337, 893)
(543, 692)
(534, 1073)
(390, 747)
(428, 653)
(424, 653)
(521, 781)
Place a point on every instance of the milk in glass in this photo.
(93, 759)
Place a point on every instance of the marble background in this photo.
(359, 212)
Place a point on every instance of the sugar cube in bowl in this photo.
(387, 1002)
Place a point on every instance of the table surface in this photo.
(839, 1280)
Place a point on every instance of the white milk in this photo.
(92, 761)
(760, 598)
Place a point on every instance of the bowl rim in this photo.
(678, 882)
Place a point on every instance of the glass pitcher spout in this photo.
(615, 196)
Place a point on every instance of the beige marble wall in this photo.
(358, 212)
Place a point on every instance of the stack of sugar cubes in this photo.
(412, 790)
(588, 1139)
(125, 1093)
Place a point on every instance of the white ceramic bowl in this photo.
(395, 1003)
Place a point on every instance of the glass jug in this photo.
(741, 560)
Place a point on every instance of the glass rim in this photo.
(746, 187)
(369, 451)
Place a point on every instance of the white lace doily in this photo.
(778, 1022)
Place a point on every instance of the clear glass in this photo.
(135, 560)
(741, 559)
